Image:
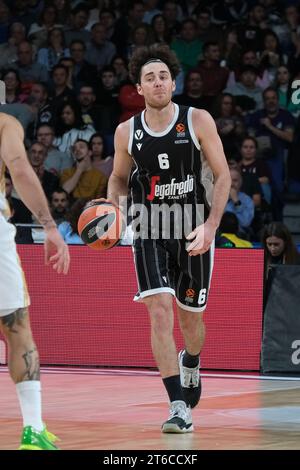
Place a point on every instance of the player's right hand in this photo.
(56, 251)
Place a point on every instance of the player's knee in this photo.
(161, 316)
(16, 326)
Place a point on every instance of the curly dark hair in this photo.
(156, 51)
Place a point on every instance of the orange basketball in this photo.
(100, 225)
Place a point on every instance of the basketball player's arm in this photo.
(206, 133)
(118, 182)
(28, 187)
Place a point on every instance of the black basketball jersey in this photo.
(169, 166)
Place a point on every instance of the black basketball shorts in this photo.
(165, 266)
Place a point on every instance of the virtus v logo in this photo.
(2, 92)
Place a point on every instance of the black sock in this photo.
(190, 361)
(173, 387)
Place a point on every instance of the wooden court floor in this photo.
(117, 410)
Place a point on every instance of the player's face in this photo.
(156, 84)
(275, 245)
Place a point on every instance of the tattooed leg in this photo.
(23, 358)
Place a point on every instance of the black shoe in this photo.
(180, 419)
(190, 382)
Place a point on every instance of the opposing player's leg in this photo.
(24, 368)
(156, 291)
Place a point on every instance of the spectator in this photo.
(271, 57)
(246, 88)
(69, 227)
(29, 71)
(83, 73)
(62, 10)
(284, 91)
(82, 180)
(229, 233)
(45, 114)
(100, 160)
(170, 14)
(100, 51)
(77, 28)
(250, 33)
(229, 124)
(214, 76)
(142, 35)
(56, 161)
(188, 47)
(70, 127)
(151, 10)
(125, 25)
(193, 91)
(278, 245)
(107, 17)
(239, 203)
(54, 50)
(249, 57)
(207, 32)
(232, 49)
(37, 155)
(8, 50)
(120, 67)
(251, 165)
(160, 29)
(39, 32)
(274, 129)
(13, 93)
(59, 205)
(61, 91)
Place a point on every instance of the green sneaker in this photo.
(35, 440)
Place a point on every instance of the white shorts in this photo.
(13, 288)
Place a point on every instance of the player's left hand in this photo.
(202, 237)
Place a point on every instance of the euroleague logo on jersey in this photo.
(173, 190)
(180, 129)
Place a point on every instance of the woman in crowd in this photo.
(100, 161)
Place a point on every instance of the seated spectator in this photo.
(100, 160)
(68, 228)
(77, 28)
(230, 125)
(150, 10)
(278, 245)
(120, 67)
(13, 92)
(83, 73)
(56, 161)
(239, 203)
(82, 180)
(214, 76)
(70, 127)
(61, 91)
(59, 205)
(249, 57)
(229, 233)
(39, 31)
(207, 31)
(193, 92)
(283, 84)
(251, 165)
(187, 46)
(29, 70)
(45, 113)
(100, 51)
(37, 155)
(142, 35)
(271, 57)
(8, 50)
(246, 87)
(160, 29)
(90, 111)
(54, 50)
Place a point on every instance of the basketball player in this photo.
(23, 361)
(176, 156)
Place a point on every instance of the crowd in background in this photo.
(65, 67)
